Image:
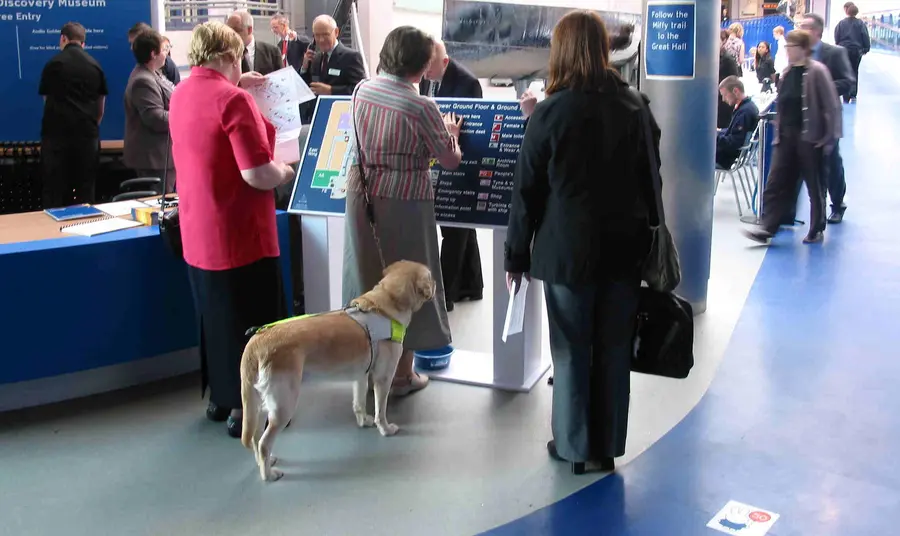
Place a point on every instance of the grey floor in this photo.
(145, 460)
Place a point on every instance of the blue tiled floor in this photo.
(802, 418)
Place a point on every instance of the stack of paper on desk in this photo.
(120, 208)
(98, 227)
(279, 100)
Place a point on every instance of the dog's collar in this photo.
(378, 326)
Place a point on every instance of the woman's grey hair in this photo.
(407, 51)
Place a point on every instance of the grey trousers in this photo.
(591, 341)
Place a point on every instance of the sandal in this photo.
(412, 383)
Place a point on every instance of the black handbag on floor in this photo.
(664, 342)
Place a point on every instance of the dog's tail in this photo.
(250, 397)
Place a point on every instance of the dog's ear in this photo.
(425, 284)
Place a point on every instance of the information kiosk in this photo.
(477, 194)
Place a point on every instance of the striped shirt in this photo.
(400, 132)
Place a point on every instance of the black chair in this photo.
(149, 187)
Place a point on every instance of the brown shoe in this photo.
(412, 383)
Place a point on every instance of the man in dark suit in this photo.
(291, 45)
(259, 57)
(838, 63)
(460, 258)
(332, 68)
(743, 122)
(74, 89)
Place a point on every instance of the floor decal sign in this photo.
(743, 520)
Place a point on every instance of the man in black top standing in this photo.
(74, 89)
(852, 34)
(460, 258)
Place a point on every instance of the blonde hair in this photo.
(736, 30)
(211, 41)
(778, 30)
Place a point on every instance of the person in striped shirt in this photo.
(399, 133)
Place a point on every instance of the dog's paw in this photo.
(273, 460)
(389, 429)
(274, 474)
(365, 421)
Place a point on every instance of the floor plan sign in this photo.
(477, 193)
(321, 185)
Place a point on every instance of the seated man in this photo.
(743, 122)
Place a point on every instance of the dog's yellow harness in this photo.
(377, 327)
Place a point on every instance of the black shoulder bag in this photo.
(169, 224)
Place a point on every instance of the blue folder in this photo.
(73, 213)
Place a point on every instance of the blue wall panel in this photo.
(29, 37)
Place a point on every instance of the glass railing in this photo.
(185, 14)
(884, 30)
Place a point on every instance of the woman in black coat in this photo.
(581, 192)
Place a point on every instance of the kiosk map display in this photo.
(476, 194)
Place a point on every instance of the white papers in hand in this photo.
(515, 311)
(279, 99)
(287, 151)
(281, 87)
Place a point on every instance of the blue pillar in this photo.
(680, 76)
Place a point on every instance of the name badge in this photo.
(334, 72)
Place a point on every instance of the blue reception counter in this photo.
(79, 316)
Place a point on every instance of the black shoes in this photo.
(837, 215)
(234, 426)
(579, 468)
(759, 236)
(217, 414)
(814, 238)
(475, 296)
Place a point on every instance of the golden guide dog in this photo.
(357, 343)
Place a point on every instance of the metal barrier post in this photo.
(763, 162)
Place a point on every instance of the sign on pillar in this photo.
(671, 44)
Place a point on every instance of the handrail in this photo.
(357, 36)
(882, 12)
(342, 10)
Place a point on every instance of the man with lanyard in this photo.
(837, 61)
(332, 68)
(291, 45)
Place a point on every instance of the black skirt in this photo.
(228, 303)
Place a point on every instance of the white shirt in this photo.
(781, 59)
(251, 53)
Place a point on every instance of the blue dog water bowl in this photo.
(436, 359)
